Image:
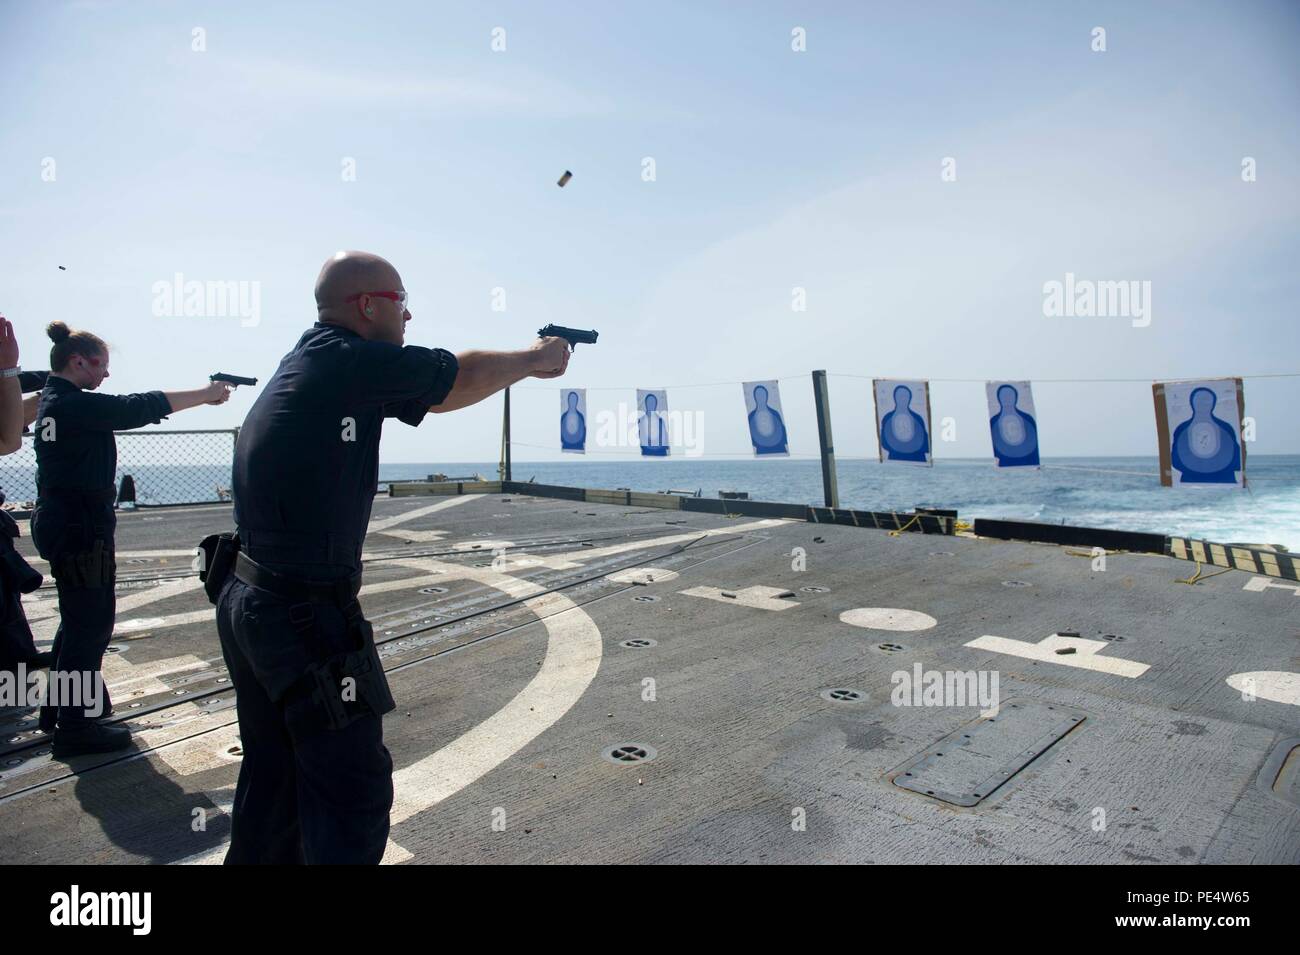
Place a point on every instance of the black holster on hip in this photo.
(215, 561)
(351, 685)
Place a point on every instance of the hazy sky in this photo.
(129, 156)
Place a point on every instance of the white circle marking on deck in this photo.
(650, 575)
(1276, 685)
(887, 618)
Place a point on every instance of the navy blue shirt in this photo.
(77, 451)
(307, 459)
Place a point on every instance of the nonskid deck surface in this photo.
(582, 682)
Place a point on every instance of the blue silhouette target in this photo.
(573, 420)
(1205, 446)
(767, 431)
(903, 420)
(1012, 424)
(652, 422)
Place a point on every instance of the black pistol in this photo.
(232, 379)
(570, 335)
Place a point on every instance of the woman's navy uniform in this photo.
(73, 525)
(315, 784)
(17, 577)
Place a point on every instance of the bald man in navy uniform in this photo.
(315, 784)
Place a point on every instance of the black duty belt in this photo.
(341, 592)
(104, 496)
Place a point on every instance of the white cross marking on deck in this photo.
(757, 597)
(1259, 584)
(1085, 656)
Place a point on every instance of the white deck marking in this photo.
(573, 654)
(384, 523)
(649, 575)
(43, 627)
(1086, 654)
(1260, 584)
(414, 536)
(126, 680)
(888, 618)
(587, 553)
(484, 545)
(757, 597)
(129, 554)
(1276, 685)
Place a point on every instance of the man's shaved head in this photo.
(353, 273)
(347, 274)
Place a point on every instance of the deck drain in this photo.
(113, 648)
(814, 589)
(1016, 583)
(843, 695)
(629, 754)
(890, 647)
(646, 598)
(433, 590)
(1111, 636)
(639, 643)
(941, 553)
(137, 560)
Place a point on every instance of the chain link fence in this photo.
(166, 467)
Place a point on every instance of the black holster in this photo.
(86, 569)
(340, 689)
(216, 559)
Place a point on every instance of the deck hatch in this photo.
(967, 766)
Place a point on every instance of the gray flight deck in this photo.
(1139, 719)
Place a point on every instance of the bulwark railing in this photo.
(165, 467)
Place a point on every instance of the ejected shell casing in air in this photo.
(565, 178)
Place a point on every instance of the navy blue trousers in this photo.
(62, 528)
(307, 792)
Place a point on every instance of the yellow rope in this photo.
(1197, 577)
(915, 518)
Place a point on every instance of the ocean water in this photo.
(1112, 492)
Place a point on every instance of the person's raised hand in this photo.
(8, 344)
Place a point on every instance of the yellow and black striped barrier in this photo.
(1252, 560)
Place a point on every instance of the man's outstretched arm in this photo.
(484, 373)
